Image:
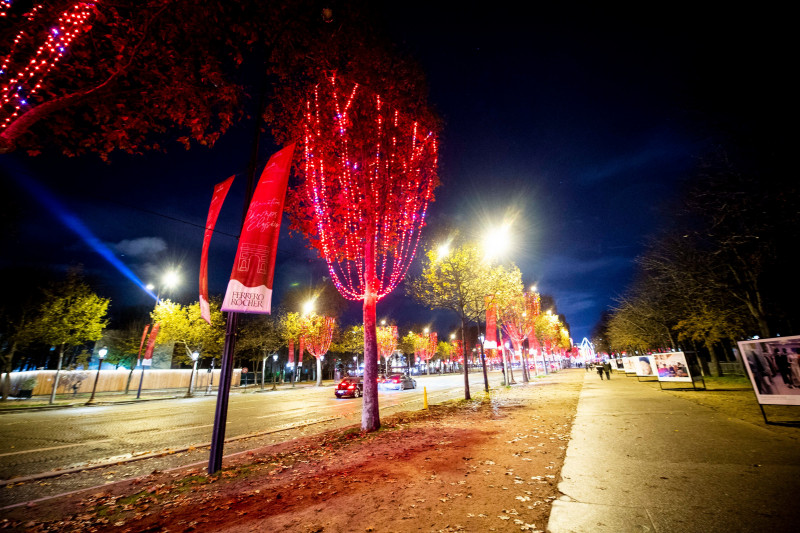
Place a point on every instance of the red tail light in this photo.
(351, 387)
(396, 380)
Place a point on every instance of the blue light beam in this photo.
(71, 221)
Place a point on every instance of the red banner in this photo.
(291, 352)
(151, 344)
(301, 349)
(141, 344)
(250, 287)
(220, 192)
(491, 324)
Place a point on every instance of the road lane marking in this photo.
(184, 429)
(55, 447)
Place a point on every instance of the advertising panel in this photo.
(628, 365)
(773, 366)
(645, 366)
(672, 366)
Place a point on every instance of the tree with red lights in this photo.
(519, 323)
(426, 348)
(318, 332)
(366, 181)
(387, 343)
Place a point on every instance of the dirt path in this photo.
(483, 465)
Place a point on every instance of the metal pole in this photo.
(221, 413)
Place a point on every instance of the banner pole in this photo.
(223, 390)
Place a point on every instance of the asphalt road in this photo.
(33, 442)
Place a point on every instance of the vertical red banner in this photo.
(217, 199)
(491, 324)
(151, 344)
(250, 287)
(301, 349)
(291, 352)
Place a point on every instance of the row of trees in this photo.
(467, 282)
(721, 272)
(60, 319)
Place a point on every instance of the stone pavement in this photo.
(640, 459)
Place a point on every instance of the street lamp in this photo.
(194, 356)
(496, 242)
(274, 362)
(101, 354)
(168, 281)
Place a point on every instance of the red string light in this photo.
(368, 173)
(319, 333)
(30, 67)
(426, 346)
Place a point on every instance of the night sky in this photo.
(577, 124)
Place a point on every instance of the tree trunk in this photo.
(370, 414)
(6, 385)
(464, 350)
(130, 376)
(58, 371)
(319, 371)
(524, 360)
(715, 367)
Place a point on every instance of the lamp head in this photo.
(102, 352)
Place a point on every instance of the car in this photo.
(398, 382)
(351, 386)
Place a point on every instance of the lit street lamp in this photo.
(194, 356)
(168, 281)
(101, 354)
(274, 371)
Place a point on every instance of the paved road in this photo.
(41, 441)
(643, 460)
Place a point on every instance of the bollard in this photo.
(424, 397)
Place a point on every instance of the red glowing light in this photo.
(20, 77)
(367, 177)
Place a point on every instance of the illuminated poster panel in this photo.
(645, 366)
(773, 366)
(672, 366)
(628, 365)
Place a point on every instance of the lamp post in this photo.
(263, 371)
(168, 281)
(194, 356)
(482, 338)
(101, 354)
(274, 370)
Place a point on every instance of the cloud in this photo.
(143, 247)
(562, 267)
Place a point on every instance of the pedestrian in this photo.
(600, 371)
(607, 369)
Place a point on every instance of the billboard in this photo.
(628, 365)
(773, 366)
(672, 366)
(645, 366)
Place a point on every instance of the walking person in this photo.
(607, 369)
(600, 371)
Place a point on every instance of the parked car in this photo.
(398, 382)
(350, 386)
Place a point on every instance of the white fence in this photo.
(78, 381)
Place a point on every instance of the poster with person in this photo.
(628, 365)
(645, 366)
(773, 366)
(672, 366)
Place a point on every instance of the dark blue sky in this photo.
(577, 123)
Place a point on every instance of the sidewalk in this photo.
(640, 459)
